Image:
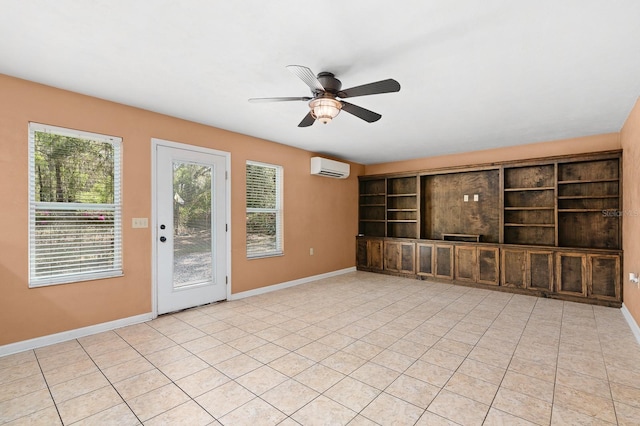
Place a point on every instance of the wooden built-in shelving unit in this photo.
(550, 226)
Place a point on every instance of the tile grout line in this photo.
(384, 306)
(606, 368)
(435, 343)
(212, 366)
(44, 377)
(109, 381)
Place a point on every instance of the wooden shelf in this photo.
(583, 197)
(580, 210)
(540, 188)
(569, 182)
(529, 208)
(538, 225)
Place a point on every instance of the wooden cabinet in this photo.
(425, 258)
(488, 265)
(571, 273)
(548, 227)
(513, 266)
(540, 270)
(369, 254)
(466, 263)
(592, 276)
(527, 268)
(603, 273)
(399, 257)
(443, 262)
(478, 264)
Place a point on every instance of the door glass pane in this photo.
(192, 250)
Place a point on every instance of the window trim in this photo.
(116, 207)
(278, 210)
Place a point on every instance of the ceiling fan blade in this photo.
(282, 99)
(307, 121)
(383, 86)
(365, 114)
(306, 75)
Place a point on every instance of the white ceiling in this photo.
(474, 74)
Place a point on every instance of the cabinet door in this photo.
(488, 265)
(444, 261)
(571, 274)
(369, 254)
(466, 263)
(425, 258)
(391, 256)
(407, 258)
(361, 253)
(540, 270)
(374, 254)
(399, 257)
(604, 276)
(514, 268)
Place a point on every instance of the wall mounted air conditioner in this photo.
(329, 168)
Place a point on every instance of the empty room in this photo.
(351, 213)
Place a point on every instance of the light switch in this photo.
(140, 222)
(475, 197)
(466, 198)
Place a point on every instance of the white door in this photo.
(191, 225)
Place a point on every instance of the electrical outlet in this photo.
(465, 197)
(311, 251)
(475, 197)
(140, 222)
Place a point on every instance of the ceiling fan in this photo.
(326, 90)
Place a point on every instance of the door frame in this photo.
(155, 142)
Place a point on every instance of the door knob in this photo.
(163, 239)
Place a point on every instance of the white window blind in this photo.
(264, 210)
(75, 213)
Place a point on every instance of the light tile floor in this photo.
(358, 349)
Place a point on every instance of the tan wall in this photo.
(319, 212)
(630, 138)
(606, 142)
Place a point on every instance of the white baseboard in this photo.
(635, 329)
(287, 284)
(50, 339)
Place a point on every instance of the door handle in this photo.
(163, 239)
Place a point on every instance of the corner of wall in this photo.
(630, 142)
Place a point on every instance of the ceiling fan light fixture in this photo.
(325, 109)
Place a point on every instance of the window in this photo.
(264, 210)
(75, 216)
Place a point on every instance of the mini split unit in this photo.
(329, 168)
